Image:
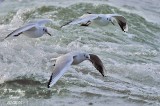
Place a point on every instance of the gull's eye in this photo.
(85, 56)
(44, 29)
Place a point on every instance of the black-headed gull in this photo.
(100, 19)
(73, 58)
(32, 29)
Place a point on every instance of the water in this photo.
(131, 59)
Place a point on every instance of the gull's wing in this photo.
(83, 19)
(41, 21)
(61, 66)
(97, 63)
(121, 21)
(20, 30)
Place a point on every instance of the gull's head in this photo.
(46, 31)
(86, 56)
(78, 57)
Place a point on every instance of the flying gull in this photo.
(73, 58)
(100, 19)
(32, 29)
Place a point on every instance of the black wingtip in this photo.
(65, 24)
(48, 85)
(13, 35)
(103, 75)
(49, 82)
(7, 36)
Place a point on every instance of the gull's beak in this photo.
(112, 22)
(48, 33)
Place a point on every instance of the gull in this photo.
(33, 29)
(100, 19)
(64, 62)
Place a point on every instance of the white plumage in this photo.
(32, 29)
(64, 62)
(100, 19)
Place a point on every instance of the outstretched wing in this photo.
(41, 21)
(82, 20)
(20, 30)
(97, 63)
(61, 66)
(121, 21)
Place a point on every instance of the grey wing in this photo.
(20, 30)
(121, 21)
(41, 21)
(60, 68)
(97, 63)
(82, 20)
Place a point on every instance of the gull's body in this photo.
(73, 58)
(34, 32)
(100, 19)
(32, 29)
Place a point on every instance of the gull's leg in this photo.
(86, 24)
(54, 60)
(18, 34)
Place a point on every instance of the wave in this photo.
(131, 59)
